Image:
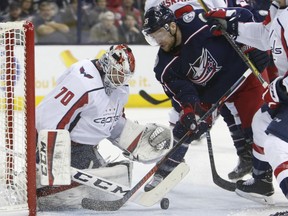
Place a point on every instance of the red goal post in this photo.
(17, 119)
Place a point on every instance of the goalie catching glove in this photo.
(189, 117)
(145, 143)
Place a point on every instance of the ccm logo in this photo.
(43, 158)
(100, 183)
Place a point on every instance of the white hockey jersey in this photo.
(79, 104)
(273, 30)
(175, 5)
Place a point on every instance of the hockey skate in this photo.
(280, 214)
(243, 167)
(181, 169)
(258, 190)
(157, 178)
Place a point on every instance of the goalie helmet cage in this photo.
(17, 119)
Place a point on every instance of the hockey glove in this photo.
(221, 19)
(259, 58)
(276, 92)
(188, 118)
(188, 121)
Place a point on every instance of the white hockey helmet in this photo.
(118, 64)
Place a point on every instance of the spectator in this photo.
(14, 13)
(129, 32)
(4, 6)
(60, 3)
(100, 7)
(70, 18)
(113, 4)
(105, 31)
(127, 7)
(49, 26)
(27, 8)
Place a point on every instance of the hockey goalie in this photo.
(85, 107)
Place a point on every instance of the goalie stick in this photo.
(227, 185)
(150, 99)
(238, 50)
(81, 177)
(100, 205)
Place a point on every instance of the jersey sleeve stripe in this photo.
(283, 39)
(67, 117)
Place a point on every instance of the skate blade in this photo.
(265, 200)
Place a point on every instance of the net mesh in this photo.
(13, 179)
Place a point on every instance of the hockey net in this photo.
(17, 121)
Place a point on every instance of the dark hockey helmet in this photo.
(156, 18)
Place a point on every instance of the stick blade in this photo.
(99, 205)
(150, 99)
(226, 185)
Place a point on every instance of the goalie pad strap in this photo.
(52, 135)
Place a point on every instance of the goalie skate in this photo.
(257, 190)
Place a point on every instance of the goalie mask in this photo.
(118, 64)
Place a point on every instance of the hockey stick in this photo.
(81, 177)
(100, 205)
(227, 185)
(238, 50)
(150, 99)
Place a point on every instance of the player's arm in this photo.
(63, 104)
(237, 23)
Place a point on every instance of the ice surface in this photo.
(196, 195)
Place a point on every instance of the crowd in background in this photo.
(79, 21)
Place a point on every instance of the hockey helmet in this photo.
(155, 18)
(118, 64)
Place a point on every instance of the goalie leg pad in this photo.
(54, 157)
(145, 143)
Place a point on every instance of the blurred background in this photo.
(70, 30)
(79, 21)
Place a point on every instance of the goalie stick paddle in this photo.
(227, 185)
(103, 205)
(150, 99)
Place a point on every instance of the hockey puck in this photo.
(164, 203)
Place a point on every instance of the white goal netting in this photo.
(13, 117)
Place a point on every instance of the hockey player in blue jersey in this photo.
(270, 122)
(196, 69)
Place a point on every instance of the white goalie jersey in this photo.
(80, 105)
